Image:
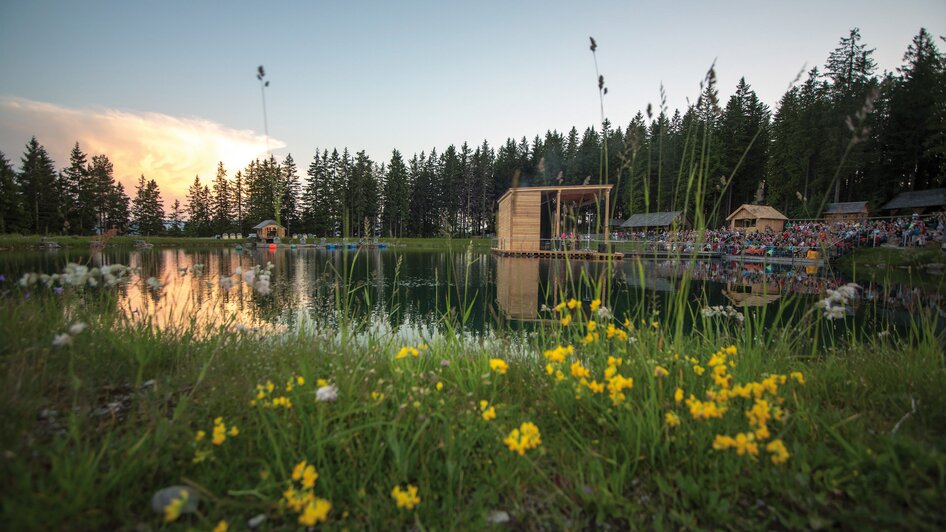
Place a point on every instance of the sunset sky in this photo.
(168, 89)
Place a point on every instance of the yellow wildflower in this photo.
(200, 435)
(315, 512)
(222, 526)
(797, 375)
(406, 498)
(672, 419)
(578, 371)
(595, 304)
(439, 386)
(219, 432)
(698, 369)
(612, 361)
(559, 376)
(660, 371)
(592, 326)
(173, 510)
(498, 365)
(526, 437)
(234, 431)
(595, 386)
(309, 476)
(298, 470)
(377, 396)
(572, 303)
(678, 395)
(731, 350)
(556, 355)
(778, 451)
(321, 382)
(407, 351)
(566, 320)
(300, 380)
(270, 386)
(560, 307)
(489, 413)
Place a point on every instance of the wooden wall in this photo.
(519, 221)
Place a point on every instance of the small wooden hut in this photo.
(849, 211)
(655, 221)
(917, 201)
(267, 230)
(751, 218)
(527, 215)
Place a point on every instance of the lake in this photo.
(421, 293)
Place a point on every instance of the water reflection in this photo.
(419, 293)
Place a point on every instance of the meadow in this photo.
(593, 422)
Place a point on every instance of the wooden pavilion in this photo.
(267, 230)
(848, 211)
(917, 201)
(751, 218)
(529, 221)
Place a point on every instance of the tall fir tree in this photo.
(12, 215)
(37, 183)
(221, 206)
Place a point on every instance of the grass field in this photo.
(594, 423)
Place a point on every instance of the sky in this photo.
(168, 89)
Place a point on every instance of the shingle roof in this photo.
(848, 207)
(934, 197)
(654, 219)
(758, 211)
(264, 223)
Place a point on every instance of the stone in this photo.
(163, 497)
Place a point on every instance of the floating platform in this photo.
(574, 254)
(662, 254)
(764, 259)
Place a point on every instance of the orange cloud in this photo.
(169, 149)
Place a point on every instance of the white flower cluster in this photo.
(257, 277)
(835, 306)
(719, 311)
(64, 339)
(326, 393)
(77, 276)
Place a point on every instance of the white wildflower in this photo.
(262, 286)
(604, 313)
(226, 283)
(497, 517)
(326, 393)
(62, 340)
(77, 328)
(153, 284)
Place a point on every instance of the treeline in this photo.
(843, 133)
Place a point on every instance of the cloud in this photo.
(169, 149)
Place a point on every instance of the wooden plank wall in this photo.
(525, 220)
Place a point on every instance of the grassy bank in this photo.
(29, 242)
(764, 432)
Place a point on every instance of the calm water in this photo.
(419, 293)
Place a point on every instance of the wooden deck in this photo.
(661, 254)
(763, 259)
(550, 254)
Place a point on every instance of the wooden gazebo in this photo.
(751, 218)
(267, 230)
(848, 211)
(530, 215)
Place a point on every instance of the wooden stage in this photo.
(573, 254)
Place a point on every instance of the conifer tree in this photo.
(221, 209)
(37, 184)
(12, 216)
(289, 205)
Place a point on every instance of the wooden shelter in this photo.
(849, 211)
(917, 201)
(656, 220)
(267, 230)
(751, 218)
(529, 215)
